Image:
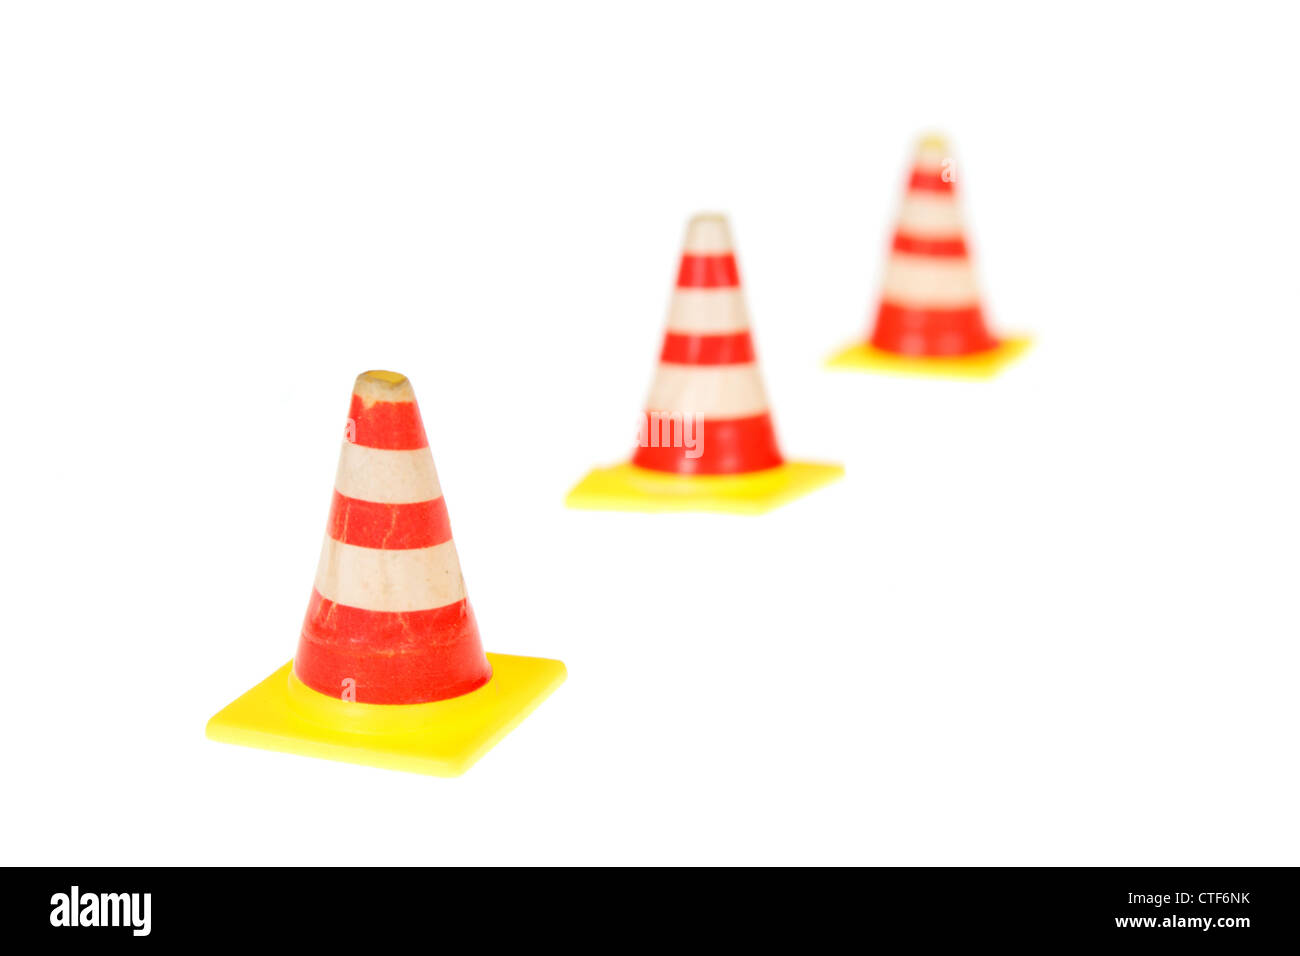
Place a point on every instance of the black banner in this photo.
(1228, 908)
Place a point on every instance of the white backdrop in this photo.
(1050, 619)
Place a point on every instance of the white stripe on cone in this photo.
(708, 311)
(386, 476)
(709, 391)
(940, 282)
(416, 579)
(930, 215)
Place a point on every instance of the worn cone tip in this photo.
(708, 233)
(932, 142)
(932, 149)
(379, 385)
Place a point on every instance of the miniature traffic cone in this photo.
(390, 671)
(930, 319)
(706, 441)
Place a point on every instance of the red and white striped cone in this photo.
(930, 316)
(707, 368)
(388, 621)
(390, 671)
(707, 442)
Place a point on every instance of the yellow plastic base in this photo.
(444, 738)
(982, 365)
(626, 487)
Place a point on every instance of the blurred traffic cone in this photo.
(706, 441)
(390, 671)
(930, 319)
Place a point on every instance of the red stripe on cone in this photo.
(395, 426)
(411, 657)
(728, 447)
(908, 330)
(725, 349)
(708, 271)
(371, 524)
(930, 181)
(953, 247)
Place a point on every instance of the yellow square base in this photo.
(626, 487)
(981, 365)
(444, 738)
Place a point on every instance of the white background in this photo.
(1051, 619)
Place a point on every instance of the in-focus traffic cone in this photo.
(930, 320)
(389, 671)
(706, 441)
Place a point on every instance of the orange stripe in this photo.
(733, 348)
(409, 657)
(930, 181)
(708, 271)
(726, 446)
(391, 425)
(370, 524)
(908, 330)
(922, 246)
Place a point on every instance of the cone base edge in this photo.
(627, 487)
(862, 357)
(266, 718)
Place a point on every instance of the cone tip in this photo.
(932, 140)
(708, 232)
(380, 385)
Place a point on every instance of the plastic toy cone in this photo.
(706, 442)
(930, 319)
(390, 671)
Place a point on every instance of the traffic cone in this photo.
(706, 441)
(389, 671)
(930, 320)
